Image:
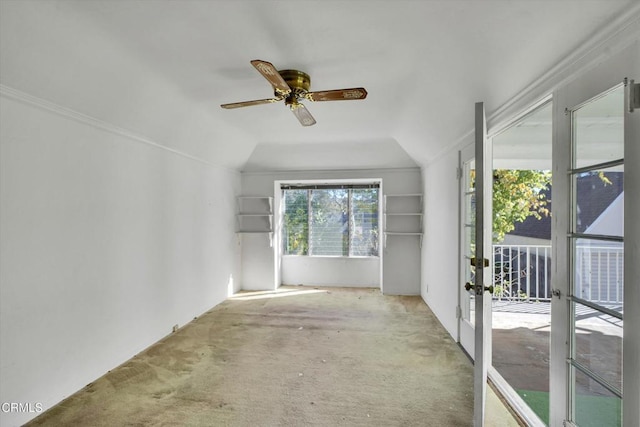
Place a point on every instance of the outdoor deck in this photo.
(521, 351)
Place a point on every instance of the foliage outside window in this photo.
(330, 221)
(517, 195)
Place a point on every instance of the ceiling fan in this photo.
(292, 86)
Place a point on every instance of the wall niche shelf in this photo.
(404, 212)
(255, 215)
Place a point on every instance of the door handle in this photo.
(468, 286)
(474, 262)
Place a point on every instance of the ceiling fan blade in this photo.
(270, 73)
(337, 94)
(304, 116)
(249, 103)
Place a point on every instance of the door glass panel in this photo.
(598, 272)
(598, 129)
(598, 343)
(468, 299)
(600, 201)
(522, 257)
(595, 406)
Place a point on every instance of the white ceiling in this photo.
(161, 69)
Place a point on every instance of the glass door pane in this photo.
(466, 296)
(600, 201)
(598, 129)
(598, 343)
(522, 195)
(595, 406)
(598, 273)
(469, 235)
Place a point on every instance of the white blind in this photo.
(329, 222)
(364, 222)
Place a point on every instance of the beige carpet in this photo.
(299, 356)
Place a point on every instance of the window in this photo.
(331, 220)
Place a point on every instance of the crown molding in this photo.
(43, 104)
(618, 34)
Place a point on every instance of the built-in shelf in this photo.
(259, 199)
(255, 215)
(404, 195)
(403, 233)
(419, 215)
(405, 213)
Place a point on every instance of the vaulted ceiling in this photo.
(160, 69)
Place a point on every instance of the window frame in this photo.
(335, 185)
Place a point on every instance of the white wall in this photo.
(440, 252)
(263, 268)
(257, 263)
(106, 243)
(331, 271)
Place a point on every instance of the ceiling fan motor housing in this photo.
(298, 81)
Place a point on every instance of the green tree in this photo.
(296, 222)
(517, 195)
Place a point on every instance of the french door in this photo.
(476, 261)
(482, 262)
(595, 318)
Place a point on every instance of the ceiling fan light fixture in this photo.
(302, 114)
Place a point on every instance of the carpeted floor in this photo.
(295, 357)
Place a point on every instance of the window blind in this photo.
(330, 220)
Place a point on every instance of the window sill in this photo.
(332, 256)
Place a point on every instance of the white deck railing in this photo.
(523, 272)
(599, 273)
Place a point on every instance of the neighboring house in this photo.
(611, 220)
(597, 201)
